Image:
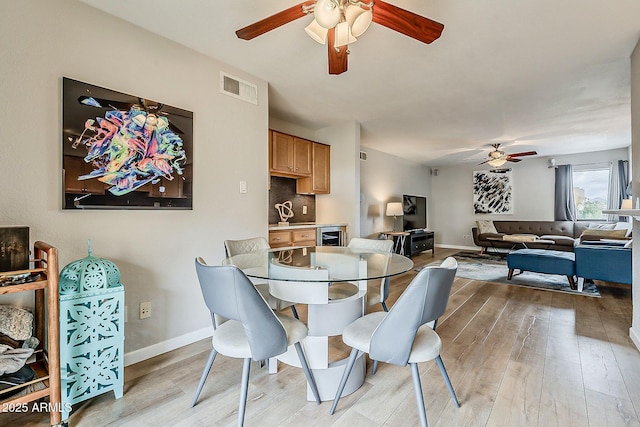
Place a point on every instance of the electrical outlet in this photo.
(145, 310)
(304, 209)
(466, 236)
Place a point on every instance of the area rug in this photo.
(491, 268)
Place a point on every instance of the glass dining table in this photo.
(332, 281)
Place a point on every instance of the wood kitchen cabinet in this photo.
(307, 161)
(289, 155)
(319, 182)
(296, 237)
(74, 167)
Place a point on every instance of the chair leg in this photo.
(447, 381)
(295, 312)
(307, 372)
(374, 368)
(203, 378)
(345, 376)
(417, 388)
(246, 367)
(384, 306)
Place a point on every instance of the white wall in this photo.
(343, 204)
(635, 138)
(42, 41)
(533, 183)
(385, 178)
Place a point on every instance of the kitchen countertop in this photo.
(295, 225)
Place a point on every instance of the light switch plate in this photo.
(243, 187)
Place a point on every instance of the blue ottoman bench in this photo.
(608, 263)
(543, 261)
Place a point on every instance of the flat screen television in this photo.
(415, 212)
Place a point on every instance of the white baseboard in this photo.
(634, 337)
(466, 248)
(165, 346)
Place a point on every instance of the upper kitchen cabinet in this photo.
(307, 161)
(289, 156)
(319, 182)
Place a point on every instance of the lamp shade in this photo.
(327, 13)
(317, 32)
(626, 204)
(343, 35)
(394, 209)
(496, 163)
(358, 18)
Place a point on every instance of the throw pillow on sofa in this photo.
(597, 234)
(597, 226)
(628, 226)
(486, 226)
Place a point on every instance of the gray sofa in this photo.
(563, 233)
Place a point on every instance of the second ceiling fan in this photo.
(338, 22)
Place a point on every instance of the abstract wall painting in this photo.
(124, 152)
(493, 192)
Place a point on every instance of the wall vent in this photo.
(363, 155)
(238, 88)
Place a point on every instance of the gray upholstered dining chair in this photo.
(255, 244)
(252, 331)
(403, 336)
(377, 292)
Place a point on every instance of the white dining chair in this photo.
(403, 336)
(377, 290)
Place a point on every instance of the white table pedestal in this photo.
(326, 318)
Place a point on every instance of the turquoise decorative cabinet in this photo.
(91, 330)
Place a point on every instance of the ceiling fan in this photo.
(338, 22)
(498, 157)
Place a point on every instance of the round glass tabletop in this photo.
(343, 264)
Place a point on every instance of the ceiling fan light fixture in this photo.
(317, 32)
(497, 162)
(327, 13)
(358, 18)
(343, 35)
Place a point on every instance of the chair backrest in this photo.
(376, 245)
(424, 300)
(235, 247)
(229, 293)
(370, 244)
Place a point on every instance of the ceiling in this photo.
(545, 75)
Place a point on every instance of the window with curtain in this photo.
(591, 190)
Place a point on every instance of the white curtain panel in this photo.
(613, 200)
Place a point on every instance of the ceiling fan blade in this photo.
(405, 22)
(524, 153)
(337, 56)
(509, 159)
(274, 21)
(486, 161)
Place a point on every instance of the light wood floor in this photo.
(516, 357)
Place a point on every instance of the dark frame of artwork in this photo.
(122, 151)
